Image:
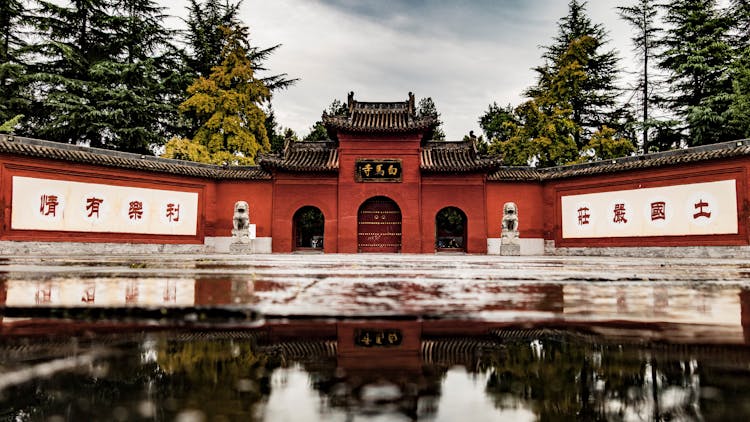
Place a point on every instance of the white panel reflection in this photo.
(101, 292)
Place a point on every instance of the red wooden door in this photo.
(379, 226)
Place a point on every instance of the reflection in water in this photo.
(429, 338)
(314, 371)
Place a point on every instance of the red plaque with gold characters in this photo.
(378, 338)
(376, 170)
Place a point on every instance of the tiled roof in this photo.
(660, 159)
(304, 157)
(515, 174)
(668, 158)
(454, 157)
(373, 117)
(79, 154)
(323, 157)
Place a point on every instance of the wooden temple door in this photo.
(379, 226)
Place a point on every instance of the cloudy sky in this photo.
(465, 54)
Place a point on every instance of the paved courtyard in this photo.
(708, 292)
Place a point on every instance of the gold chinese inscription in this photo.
(378, 338)
(378, 170)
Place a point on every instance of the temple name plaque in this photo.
(378, 170)
(378, 338)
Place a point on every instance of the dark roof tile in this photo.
(312, 157)
(377, 117)
(440, 157)
(661, 159)
(79, 154)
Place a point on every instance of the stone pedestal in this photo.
(510, 245)
(242, 248)
(512, 249)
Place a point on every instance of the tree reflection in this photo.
(563, 379)
(558, 375)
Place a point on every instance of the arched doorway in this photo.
(309, 224)
(450, 230)
(379, 226)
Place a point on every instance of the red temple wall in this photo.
(292, 192)
(419, 197)
(62, 170)
(466, 192)
(737, 169)
(406, 194)
(528, 196)
(257, 193)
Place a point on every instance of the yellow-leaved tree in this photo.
(227, 107)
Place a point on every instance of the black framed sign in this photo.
(378, 338)
(378, 170)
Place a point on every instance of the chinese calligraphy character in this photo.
(43, 294)
(170, 292)
(49, 205)
(89, 294)
(583, 216)
(379, 170)
(173, 212)
(392, 170)
(620, 214)
(135, 210)
(92, 206)
(392, 338)
(366, 339)
(131, 293)
(701, 212)
(658, 211)
(367, 169)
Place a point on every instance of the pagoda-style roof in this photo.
(311, 157)
(455, 157)
(374, 117)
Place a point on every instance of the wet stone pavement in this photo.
(373, 337)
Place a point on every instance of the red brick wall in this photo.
(294, 191)
(676, 175)
(406, 194)
(258, 194)
(61, 170)
(466, 192)
(528, 196)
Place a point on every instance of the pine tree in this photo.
(71, 39)
(426, 108)
(739, 99)
(318, 131)
(593, 102)
(497, 122)
(740, 12)
(642, 17)
(697, 55)
(206, 40)
(542, 130)
(204, 34)
(137, 92)
(14, 100)
(228, 105)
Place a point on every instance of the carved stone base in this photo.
(510, 250)
(242, 248)
(241, 235)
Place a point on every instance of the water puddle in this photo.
(383, 338)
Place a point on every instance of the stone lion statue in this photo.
(241, 219)
(510, 220)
